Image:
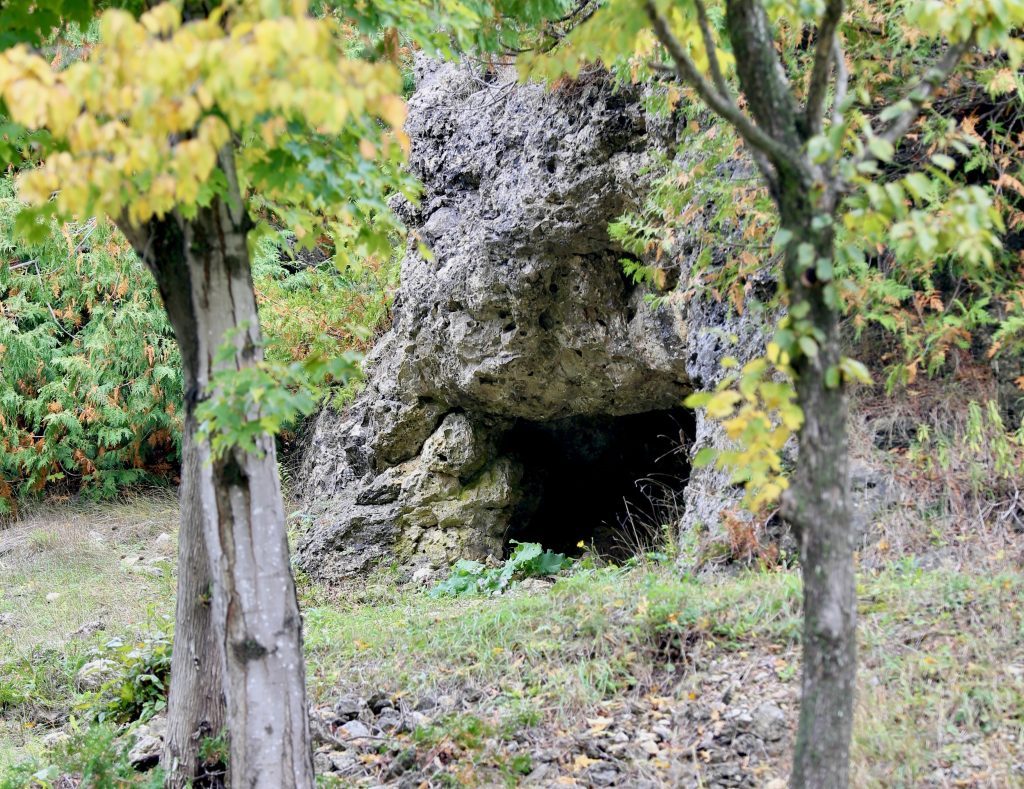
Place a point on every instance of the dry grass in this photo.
(954, 483)
(62, 568)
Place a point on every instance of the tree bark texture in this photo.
(202, 267)
(195, 706)
(817, 504)
(818, 507)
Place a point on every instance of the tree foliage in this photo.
(141, 120)
(83, 334)
(33, 21)
(920, 244)
(821, 143)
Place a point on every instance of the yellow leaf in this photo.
(367, 149)
(721, 403)
(162, 20)
(1003, 81)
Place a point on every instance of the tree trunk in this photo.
(818, 506)
(195, 707)
(202, 267)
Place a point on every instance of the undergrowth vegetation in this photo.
(939, 688)
(528, 560)
(90, 386)
(90, 380)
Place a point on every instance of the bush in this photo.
(90, 380)
(89, 376)
(528, 560)
(93, 757)
(139, 690)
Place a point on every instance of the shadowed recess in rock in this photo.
(611, 482)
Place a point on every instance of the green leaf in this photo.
(704, 457)
(919, 186)
(856, 371)
(698, 399)
(808, 346)
(882, 149)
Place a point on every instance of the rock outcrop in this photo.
(525, 384)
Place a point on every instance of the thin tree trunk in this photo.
(822, 754)
(195, 707)
(202, 267)
(818, 506)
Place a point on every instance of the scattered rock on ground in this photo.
(88, 629)
(728, 722)
(164, 543)
(378, 702)
(390, 720)
(354, 729)
(348, 708)
(55, 738)
(142, 566)
(95, 673)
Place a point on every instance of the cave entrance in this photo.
(611, 481)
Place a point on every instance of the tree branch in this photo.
(842, 80)
(932, 79)
(824, 52)
(709, 44)
(687, 71)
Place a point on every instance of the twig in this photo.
(842, 80)
(824, 54)
(933, 77)
(709, 44)
(687, 71)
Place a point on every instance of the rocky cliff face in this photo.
(525, 385)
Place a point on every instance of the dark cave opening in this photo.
(612, 482)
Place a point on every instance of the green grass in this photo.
(594, 634)
(941, 679)
(62, 569)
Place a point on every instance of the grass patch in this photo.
(66, 568)
(941, 696)
(942, 679)
(595, 634)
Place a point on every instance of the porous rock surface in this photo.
(520, 312)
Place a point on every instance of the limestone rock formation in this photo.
(525, 384)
